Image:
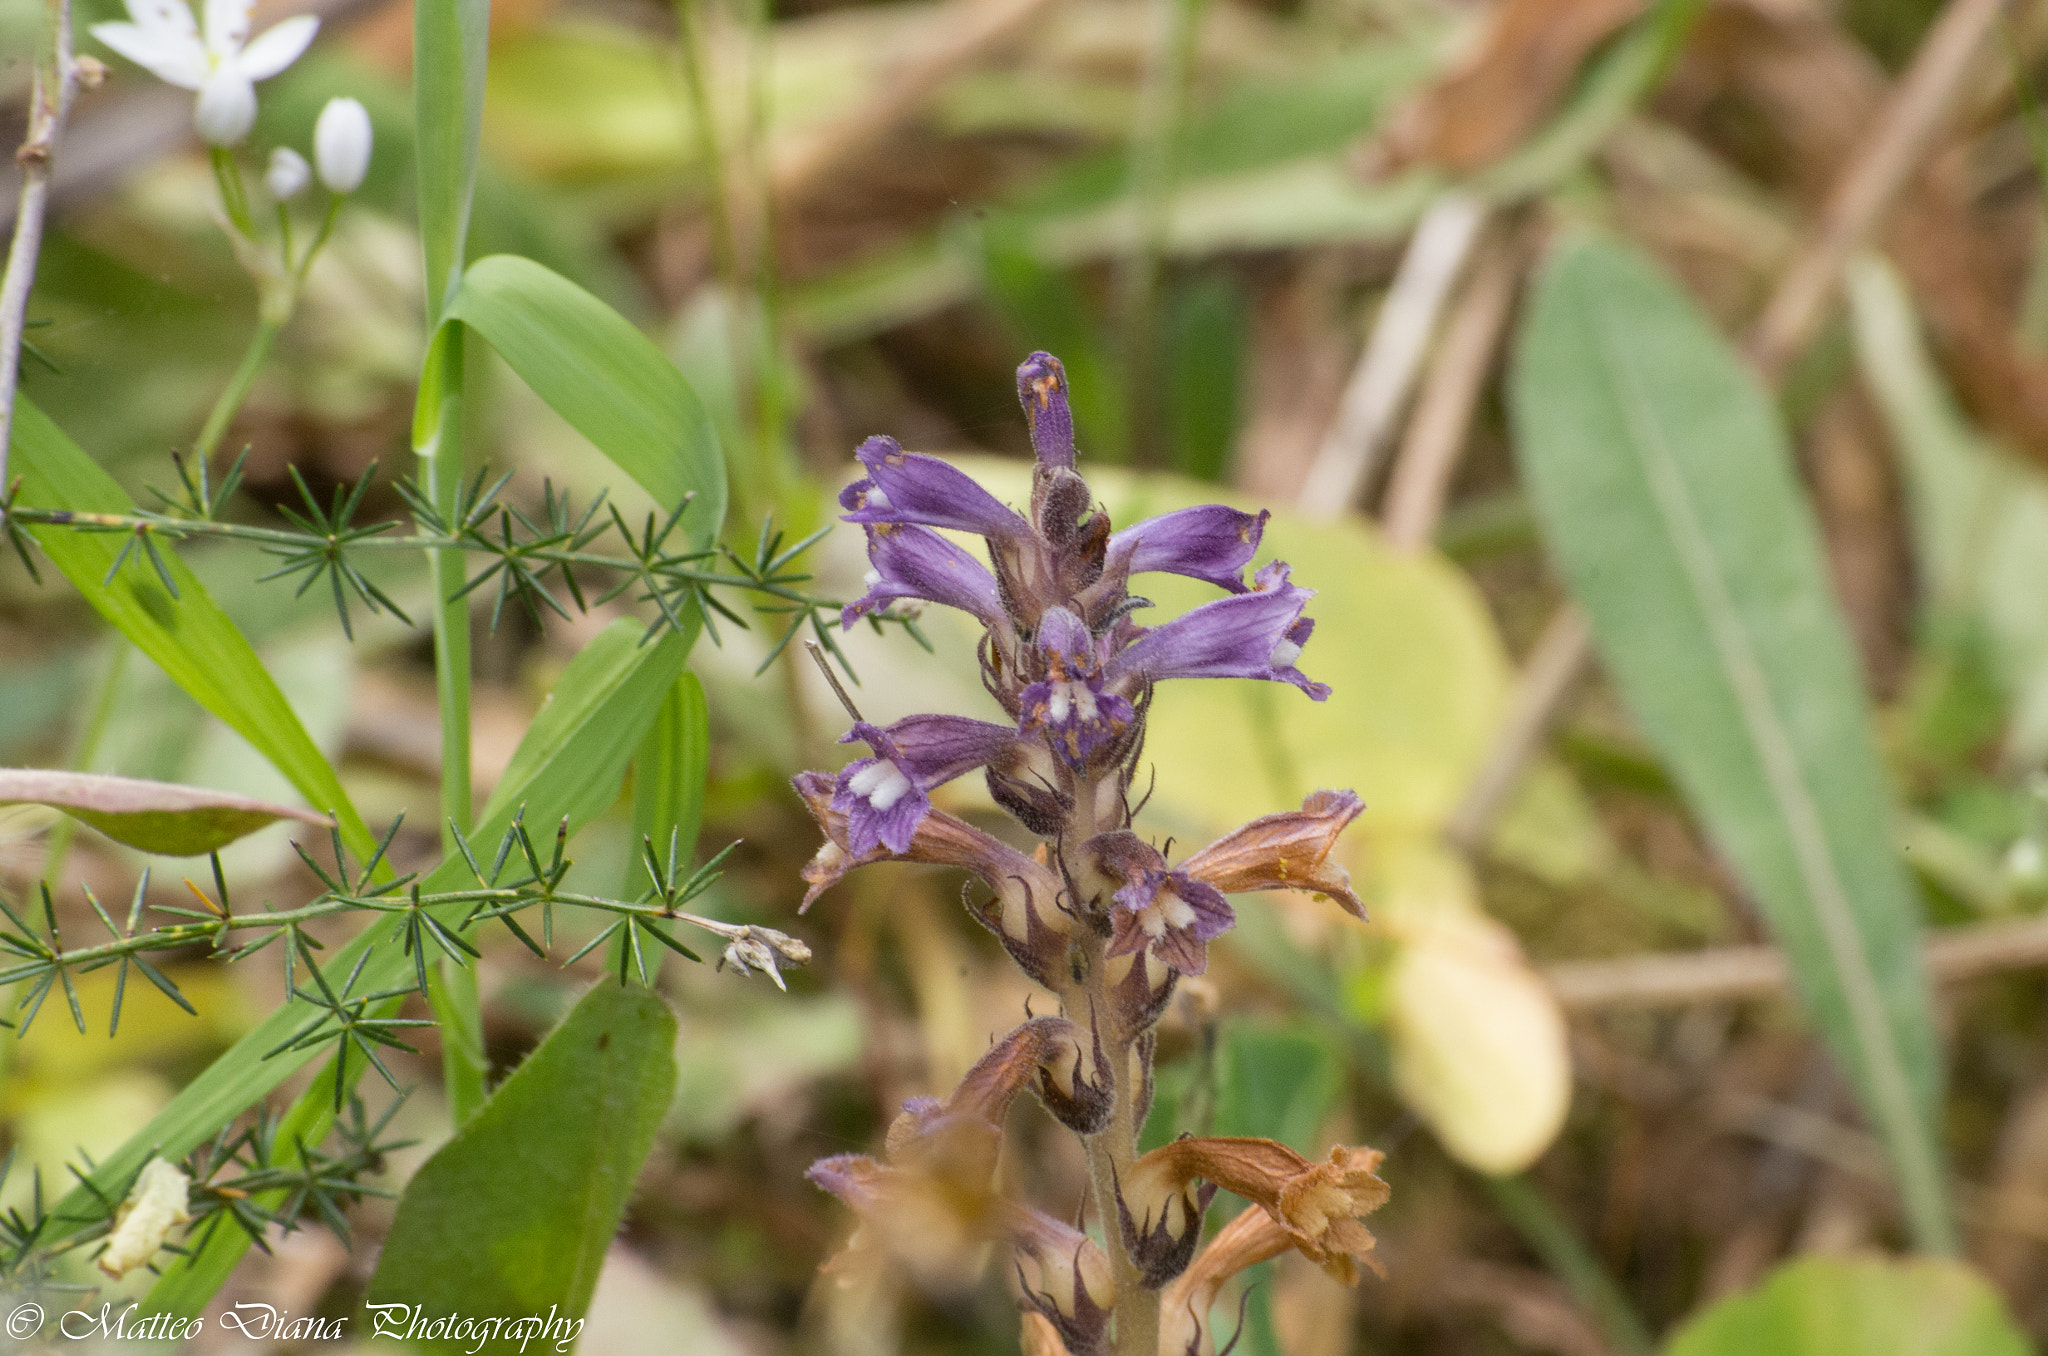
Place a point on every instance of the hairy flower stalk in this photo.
(1097, 914)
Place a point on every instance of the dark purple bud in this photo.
(1042, 390)
(1213, 543)
(916, 562)
(905, 487)
(1075, 1289)
(1140, 985)
(1162, 1225)
(1070, 708)
(1253, 635)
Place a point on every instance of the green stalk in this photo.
(233, 195)
(231, 397)
(453, 990)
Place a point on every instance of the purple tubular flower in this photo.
(1070, 706)
(1212, 543)
(1042, 390)
(916, 562)
(1170, 912)
(884, 798)
(1253, 635)
(906, 487)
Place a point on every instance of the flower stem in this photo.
(1111, 1153)
(229, 402)
(234, 197)
(456, 1003)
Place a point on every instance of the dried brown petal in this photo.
(1319, 1204)
(1288, 851)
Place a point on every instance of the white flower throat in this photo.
(881, 784)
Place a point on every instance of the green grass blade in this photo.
(190, 638)
(450, 44)
(605, 378)
(1664, 484)
(669, 773)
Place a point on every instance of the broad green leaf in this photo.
(162, 817)
(189, 637)
(450, 47)
(1980, 515)
(1858, 1306)
(569, 764)
(513, 1216)
(1662, 478)
(605, 378)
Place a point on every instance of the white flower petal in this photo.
(178, 63)
(278, 47)
(288, 174)
(227, 27)
(341, 145)
(226, 109)
(165, 17)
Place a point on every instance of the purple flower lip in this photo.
(1070, 707)
(884, 798)
(1042, 390)
(1251, 635)
(1171, 913)
(916, 562)
(908, 487)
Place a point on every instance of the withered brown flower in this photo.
(1287, 851)
(1320, 1205)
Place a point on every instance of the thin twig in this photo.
(56, 82)
(1385, 374)
(1559, 656)
(1421, 477)
(1911, 118)
(1722, 974)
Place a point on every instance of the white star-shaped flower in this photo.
(223, 65)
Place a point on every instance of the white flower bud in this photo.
(155, 1205)
(288, 174)
(226, 109)
(341, 145)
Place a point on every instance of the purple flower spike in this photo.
(884, 798)
(1212, 543)
(905, 487)
(1069, 706)
(916, 562)
(1042, 390)
(1253, 635)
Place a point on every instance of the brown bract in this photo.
(1251, 1238)
(1288, 851)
